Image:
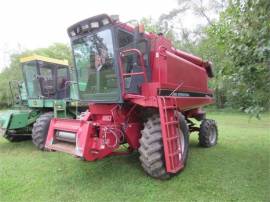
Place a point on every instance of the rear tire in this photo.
(151, 147)
(40, 130)
(208, 134)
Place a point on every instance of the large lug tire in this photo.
(208, 134)
(40, 130)
(185, 131)
(151, 147)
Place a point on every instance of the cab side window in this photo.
(124, 39)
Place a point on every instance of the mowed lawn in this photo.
(237, 169)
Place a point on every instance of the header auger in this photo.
(142, 92)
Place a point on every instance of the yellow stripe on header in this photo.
(45, 59)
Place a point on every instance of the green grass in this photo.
(237, 169)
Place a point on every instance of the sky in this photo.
(29, 24)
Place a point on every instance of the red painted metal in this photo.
(191, 58)
(133, 134)
(193, 77)
(101, 131)
(79, 127)
(170, 134)
(104, 127)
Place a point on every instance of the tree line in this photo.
(235, 36)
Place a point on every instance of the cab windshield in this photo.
(94, 61)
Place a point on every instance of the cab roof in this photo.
(44, 59)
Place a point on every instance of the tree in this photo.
(159, 26)
(243, 31)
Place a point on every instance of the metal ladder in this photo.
(170, 134)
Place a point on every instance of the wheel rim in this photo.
(212, 135)
(182, 144)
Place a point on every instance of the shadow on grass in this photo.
(16, 146)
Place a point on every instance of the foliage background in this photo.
(235, 36)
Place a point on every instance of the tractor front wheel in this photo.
(151, 147)
(40, 130)
(208, 134)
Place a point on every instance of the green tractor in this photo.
(49, 90)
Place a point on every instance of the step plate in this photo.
(63, 147)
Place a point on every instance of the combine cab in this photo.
(142, 93)
(47, 91)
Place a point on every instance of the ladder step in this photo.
(171, 122)
(172, 138)
(176, 169)
(169, 107)
(174, 153)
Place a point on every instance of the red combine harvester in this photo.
(142, 92)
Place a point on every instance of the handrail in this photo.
(180, 85)
(123, 74)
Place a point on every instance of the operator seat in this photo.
(48, 88)
(62, 89)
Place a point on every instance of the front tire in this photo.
(151, 147)
(40, 130)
